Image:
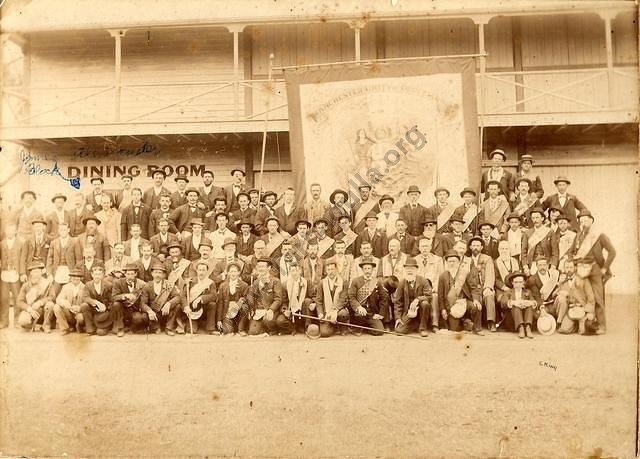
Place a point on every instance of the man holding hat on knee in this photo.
(412, 301)
(35, 299)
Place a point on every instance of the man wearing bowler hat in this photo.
(456, 234)
(36, 247)
(232, 191)
(179, 197)
(468, 211)
(375, 236)
(567, 202)
(160, 302)
(35, 299)
(412, 301)
(127, 292)
(482, 270)
(338, 198)
(265, 299)
(439, 242)
(57, 215)
(442, 210)
(413, 213)
(182, 215)
(68, 303)
(151, 196)
(191, 243)
(368, 300)
(229, 247)
(590, 243)
(459, 295)
(100, 314)
(93, 200)
(364, 206)
(233, 310)
(498, 174)
(525, 170)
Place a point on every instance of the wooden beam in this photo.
(609, 45)
(247, 60)
(248, 162)
(531, 129)
(507, 129)
(117, 81)
(516, 34)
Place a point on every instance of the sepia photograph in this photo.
(294, 228)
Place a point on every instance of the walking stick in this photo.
(362, 327)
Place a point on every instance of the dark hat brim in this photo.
(337, 192)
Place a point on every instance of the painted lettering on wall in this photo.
(135, 170)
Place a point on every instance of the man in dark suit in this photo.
(151, 197)
(244, 213)
(265, 298)
(442, 210)
(160, 301)
(98, 310)
(376, 237)
(439, 243)
(138, 213)
(489, 244)
(77, 215)
(246, 239)
(179, 197)
(590, 246)
(61, 257)
(232, 191)
(93, 200)
(569, 204)
(86, 262)
(123, 196)
(413, 213)
(456, 234)
(127, 292)
(233, 321)
(200, 293)
(407, 242)
(540, 241)
(499, 174)
(163, 239)
(412, 301)
(312, 267)
(91, 236)
(368, 300)
(209, 191)
(36, 248)
(184, 214)
(288, 213)
(338, 198)
(161, 213)
(57, 215)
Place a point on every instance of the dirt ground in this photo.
(447, 395)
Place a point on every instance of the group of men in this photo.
(237, 260)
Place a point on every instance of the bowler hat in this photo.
(429, 219)
(337, 192)
(537, 210)
(196, 221)
(76, 273)
(313, 331)
(158, 171)
(386, 197)
(509, 280)
(439, 189)
(35, 265)
(158, 267)
(92, 217)
(321, 220)
(58, 196)
(26, 192)
(585, 213)
(205, 243)
(497, 151)
(130, 267)
(563, 216)
(513, 215)
(561, 178)
(485, 223)
(368, 262)
(456, 218)
(451, 254)
(413, 189)
(272, 218)
(192, 190)
(546, 324)
(233, 171)
(364, 185)
(96, 179)
(181, 177)
(307, 223)
(266, 194)
(411, 263)
(469, 190)
(174, 245)
(39, 221)
(371, 214)
(524, 158)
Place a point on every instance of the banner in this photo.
(387, 124)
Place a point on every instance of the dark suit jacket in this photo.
(246, 248)
(181, 216)
(507, 183)
(207, 199)
(603, 243)
(262, 214)
(161, 247)
(451, 240)
(149, 296)
(403, 296)
(145, 274)
(546, 247)
(13, 259)
(237, 216)
(414, 218)
(377, 303)
(225, 297)
(288, 222)
(408, 244)
(120, 288)
(307, 272)
(91, 200)
(91, 296)
(101, 244)
(354, 210)
(86, 273)
(76, 227)
(156, 216)
(151, 200)
(232, 201)
(439, 245)
(56, 255)
(270, 297)
(470, 290)
(534, 284)
(571, 208)
(526, 216)
(129, 217)
(491, 248)
(332, 214)
(379, 243)
(32, 251)
(177, 200)
(52, 223)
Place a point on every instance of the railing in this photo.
(499, 93)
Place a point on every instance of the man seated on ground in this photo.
(35, 299)
(522, 304)
(578, 301)
(544, 286)
(368, 299)
(459, 296)
(68, 303)
(98, 310)
(233, 310)
(160, 301)
(127, 293)
(331, 301)
(412, 301)
(200, 301)
(117, 262)
(298, 298)
(219, 273)
(265, 302)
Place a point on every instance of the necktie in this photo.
(136, 209)
(424, 261)
(130, 284)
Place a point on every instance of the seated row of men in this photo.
(260, 294)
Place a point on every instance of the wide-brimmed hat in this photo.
(509, 280)
(586, 213)
(229, 241)
(246, 222)
(561, 178)
(459, 308)
(546, 324)
(337, 192)
(321, 220)
(367, 262)
(306, 222)
(158, 267)
(130, 267)
(576, 312)
(386, 197)
(313, 331)
(233, 171)
(266, 194)
(481, 224)
(451, 254)
(92, 217)
(174, 245)
(439, 189)
(58, 196)
(468, 190)
(35, 265)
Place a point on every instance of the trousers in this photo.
(418, 323)
(328, 329)
(8, 290)
(472, 313)
(65, 317)
(369, 322)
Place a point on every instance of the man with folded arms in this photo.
(68, 303)
(459, 296)
(331, 300)
(368, 299)
(99, 312)
(233, 310)
(412, 301)
(35, 299)
(265, 302)
(160, 301)
(127, 293)
(199, 301)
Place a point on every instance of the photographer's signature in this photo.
(547, 365)
(33, 164)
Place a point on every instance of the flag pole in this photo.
(264, 131)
